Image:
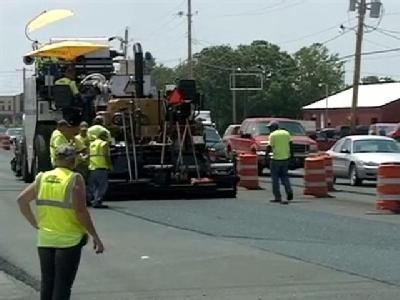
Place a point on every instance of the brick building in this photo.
(11, 108)
(377, 103)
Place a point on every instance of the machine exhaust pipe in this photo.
(139, 69)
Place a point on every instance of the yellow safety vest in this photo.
(97, 155)
(58, 223)
(70, 83)
(57, 139)
(81, 144)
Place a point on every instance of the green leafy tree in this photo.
(289, 81)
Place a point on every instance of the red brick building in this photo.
(377, 103)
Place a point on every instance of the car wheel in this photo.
(354, 179)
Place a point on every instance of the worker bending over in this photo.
(97, 128)
(99, 166)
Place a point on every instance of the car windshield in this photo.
(375, 146)
(294, 128)
(14, 131)
(212, 135)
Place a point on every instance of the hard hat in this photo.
(65, 151)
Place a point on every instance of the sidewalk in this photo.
(11, 289)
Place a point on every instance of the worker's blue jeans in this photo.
(97, 185)
(280, 172)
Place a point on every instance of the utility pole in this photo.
(357, 64)
(375, 12)
(189, 16)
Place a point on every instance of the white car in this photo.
(358, 157)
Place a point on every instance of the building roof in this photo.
(369, 95)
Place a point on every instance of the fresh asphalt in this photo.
(244, 248)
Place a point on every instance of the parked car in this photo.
(230, 132)
(358, 157)
(326, 138)
(14, 133)
(3, 131)
(382, 128)
(253, 138)
(214, 144)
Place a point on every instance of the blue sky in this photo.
(291, 24)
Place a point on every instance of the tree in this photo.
(162, 75)
(370, 79)
(316, 70)
(290, 81)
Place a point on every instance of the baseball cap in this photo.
(273, 124)
(83, 125)
(65, 151)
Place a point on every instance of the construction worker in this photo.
(281, 147)
(69, 80)
(97, 128)
(58, 138)
(99, 166)
(82, 144)
(62, 222)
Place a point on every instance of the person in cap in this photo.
(99, 166)
(82, 144)
(280, 146)
(97, 128)
(58, 137)
(62, 221)
(69, 80)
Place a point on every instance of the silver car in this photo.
(358, 157)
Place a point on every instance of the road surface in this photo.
(244, 248)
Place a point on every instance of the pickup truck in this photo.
(253, 138)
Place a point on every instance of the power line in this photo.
(370, 53)
(388, 34)
(265, 10)
(313, 34)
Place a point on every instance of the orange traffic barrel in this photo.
(388, 187)
(315, 177)
(328, 171)
(247, 170)
(5, 143)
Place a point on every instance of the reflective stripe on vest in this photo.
(58, 223)
(97, 156)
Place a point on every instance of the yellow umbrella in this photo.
(67, 50)
(48, 17)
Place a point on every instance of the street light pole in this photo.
(234, 96)
(189, 16)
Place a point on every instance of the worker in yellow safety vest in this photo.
(58, 138)
(280, 145)
(99, 166)
(82, 144)
(63, 223)
(69, 80)
(97, 128)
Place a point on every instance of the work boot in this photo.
(275, 201)
(99, 205)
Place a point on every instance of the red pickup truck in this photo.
(253, 138)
